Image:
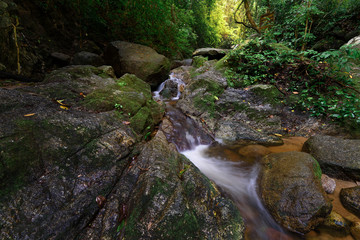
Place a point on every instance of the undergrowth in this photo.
(322, 81)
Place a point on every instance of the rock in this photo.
(254, 151)
(350, 198)
(179, 63)
(211, 53)
(198, 61)
(355, 230)
(231, 132)
(328, 183)
(161, 196)
(137, 59)
(60, 58)
(267, 93)
(337, 157)
(87, 58)
(170, 90)
(336, 222)
(108, 70)
(291, 190)
(355, 42)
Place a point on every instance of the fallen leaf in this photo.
(63, 107)
(295, 92)
(29, 115)
(60, 101)
(126, 122)
(278, 135)
(216, 98)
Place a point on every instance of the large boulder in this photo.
(290, 187)
(137, 59)
(337, 157)
(350, 198)
(355, 42)
(162, 195)
(211, 53)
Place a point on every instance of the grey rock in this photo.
(328, 183)
(350, 198)
(291, 190)
(137, 59)
(161, 196)
(211, 53)
(61, 57)
(338, 157)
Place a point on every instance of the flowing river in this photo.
(236, 176)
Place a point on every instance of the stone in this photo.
(161, 196)
(328, 183)
(137, 59)
(290, 187)
(254, 151)
(87, 58)
(179, 63)
(355, 230)
(355, 42)
(337, 157)
(350, 199)
(337, 222)
(211, 53)
(170, 90)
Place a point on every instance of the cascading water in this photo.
(236, 179)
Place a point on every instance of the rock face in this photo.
(350, 198)
(137, 59)
(72, 166)
(87, 58)
(291, 190)
(161, 196)
(211, 53)
(337, 157)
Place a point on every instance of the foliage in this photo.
(172, 27)
(321, 81)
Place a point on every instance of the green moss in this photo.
(317, 169)
(199, 61)
(206, 103)
(221, 64)
(141, 118)
(18, 155)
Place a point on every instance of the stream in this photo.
(234, 174)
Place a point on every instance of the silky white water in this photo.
(238, 180)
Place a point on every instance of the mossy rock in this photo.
(268, 93)
(199, 61)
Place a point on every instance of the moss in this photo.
(141, 118)
(199, 61)
(209, 85)
(206, 103)
(221, 64)
(18, 155)
(317, 169)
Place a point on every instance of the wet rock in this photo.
(355, 230)
(161, 196)
(337, 157)
(254, 151)
(137, 59)
(350, 198)
(291, 190)
(211, 53)
(179, 63)
(328, 183)
(230, 132)
(87, 58)
(170, 90)
(336, 222)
